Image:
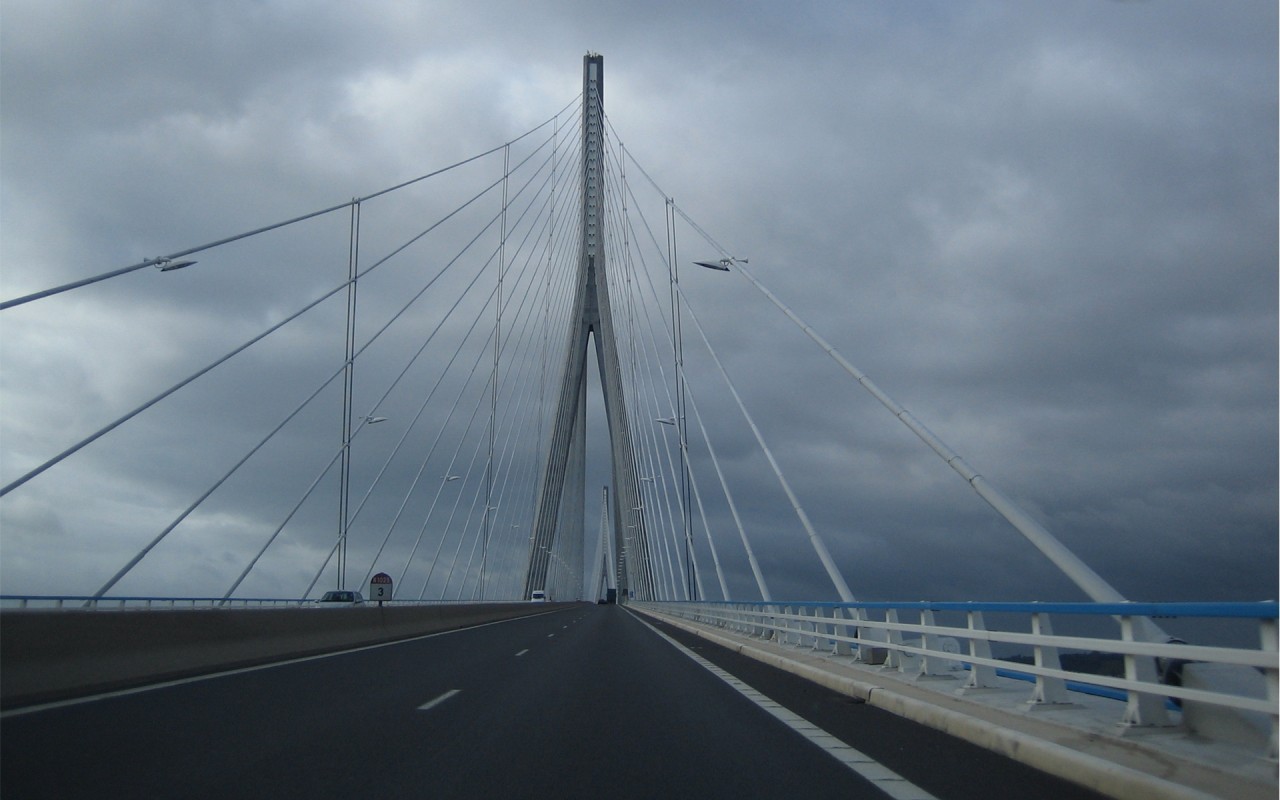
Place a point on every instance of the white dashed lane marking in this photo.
(430, 704)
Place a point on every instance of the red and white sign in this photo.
(380, 587)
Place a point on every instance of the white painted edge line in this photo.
(880, 776)
(1092, 772)
(522, 652)
(430, 704)
(208, 676)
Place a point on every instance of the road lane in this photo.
(596, 705)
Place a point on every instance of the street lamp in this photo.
(722, 265)
(169, 265)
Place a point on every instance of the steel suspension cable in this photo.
(364, 347)
(1088, 580)
(421, 409)
(162, 260)
(448, 476)
(508, 422)
(349, 283)
(676, 476)
(564, 288)
(715, 557)
(449, 524)
(521, 357)
(435, 557)
(715, 460)
(682, 500)
(658, 499)
(227, 357)
(819, 547)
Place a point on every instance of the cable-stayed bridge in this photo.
(525, 352)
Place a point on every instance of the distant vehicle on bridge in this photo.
(538, 596)
(340, 597)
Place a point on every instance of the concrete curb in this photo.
(1010, 739)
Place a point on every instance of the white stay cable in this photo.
(693, 482)
(1089, 581)
(819, 547)
(715, 460)
(653, 404)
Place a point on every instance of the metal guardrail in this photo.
(908, 637)
(53, 602)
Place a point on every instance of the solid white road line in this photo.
(430, 704)
(884, 779)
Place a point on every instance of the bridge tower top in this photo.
(592, 150)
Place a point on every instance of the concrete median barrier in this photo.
(54, 655)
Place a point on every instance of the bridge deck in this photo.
(587, 701)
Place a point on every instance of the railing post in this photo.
(1049, 690)
(981, 676)
(1271, 644)
(865, 653)
(893, 658)
(823, 631)
(929, 663)
(1141, 708)
(838, 628)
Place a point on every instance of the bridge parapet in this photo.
(1212, 705)
(44, 602)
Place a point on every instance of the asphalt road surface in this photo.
(583, 702)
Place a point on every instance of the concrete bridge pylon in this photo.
(591, 322)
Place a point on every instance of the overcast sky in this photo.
(1047, 229)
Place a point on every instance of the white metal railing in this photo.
(909, 638)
